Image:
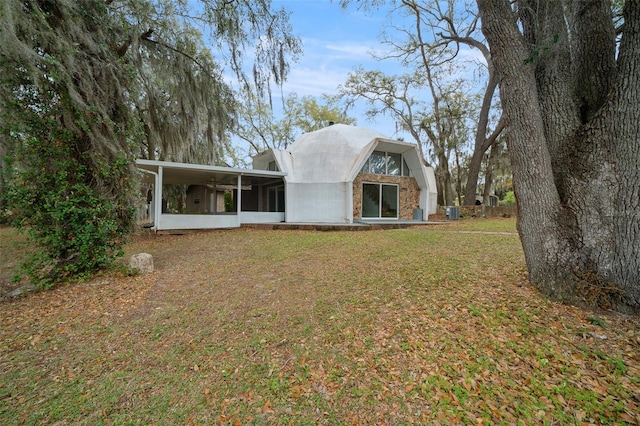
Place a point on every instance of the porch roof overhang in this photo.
(200, 174)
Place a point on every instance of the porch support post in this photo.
(215, 197)
(287, 204)
(157, 199)
(239, 207)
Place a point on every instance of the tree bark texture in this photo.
(571, 109)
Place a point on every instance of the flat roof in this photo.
(202, 174)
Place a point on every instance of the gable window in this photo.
(386, 163)
(394, 164)
(272, 166)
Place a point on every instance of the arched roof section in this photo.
(331, 153)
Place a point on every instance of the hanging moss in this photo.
(86, 86)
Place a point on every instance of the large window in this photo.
(379, 200)
(386, 163)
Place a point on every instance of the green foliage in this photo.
(596, 321)
(509, 199)
(67, 132)
(308, 115)
(55, 197)
(261, 129)
(228, 201)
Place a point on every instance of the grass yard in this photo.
(431, 325)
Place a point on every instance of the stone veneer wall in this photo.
(409, 193)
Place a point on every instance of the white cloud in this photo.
(314, 81)
(352, 50)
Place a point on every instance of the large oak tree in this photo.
(569, 79)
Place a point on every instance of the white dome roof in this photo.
(329, 154)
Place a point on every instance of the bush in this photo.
(57, 195)
(509, 199)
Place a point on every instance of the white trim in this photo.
(207, 168)
(380, 217)
(158, 199)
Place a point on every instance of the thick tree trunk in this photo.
(575, 171)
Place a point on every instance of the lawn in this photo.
(432, 325)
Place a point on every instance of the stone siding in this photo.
(409, 193)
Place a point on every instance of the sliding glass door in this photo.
(379, 200)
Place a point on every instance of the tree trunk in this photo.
(482, 143)
(573, 141)
(443, 175)
(458, 178)
(488, 175)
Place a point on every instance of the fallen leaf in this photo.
(266, 408)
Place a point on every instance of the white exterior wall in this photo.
(261, 217)
(317, 203)
(432, 197)
(197, 221)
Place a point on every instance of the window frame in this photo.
(381, 199)
(405, 171)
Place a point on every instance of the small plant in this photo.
(509, 199)
(596, 321)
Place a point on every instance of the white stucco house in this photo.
(340, 174)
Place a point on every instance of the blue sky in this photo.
(335, 41)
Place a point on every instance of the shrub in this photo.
(73, 203)
(509, 199)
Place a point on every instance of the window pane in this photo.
(393, 164)
(377, 163)
(405, 168)
(370, 200)
(389, 201)
(365, 167)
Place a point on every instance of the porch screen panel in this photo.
(272, 199)
(276, 199)
(280, 198)
(370, 200)
(389, 201)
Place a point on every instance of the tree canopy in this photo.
(261, 128)
(86, 86)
